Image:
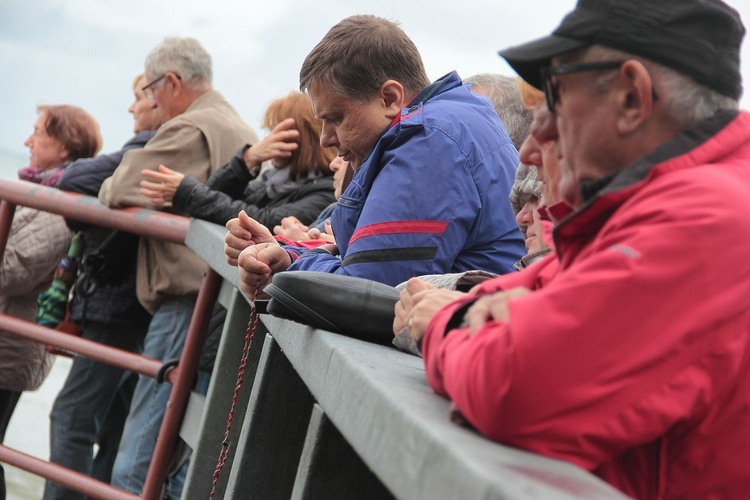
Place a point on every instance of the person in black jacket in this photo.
(298, 183)
(93, 403)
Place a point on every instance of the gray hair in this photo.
(685, 100)
(525, 186)
(184, 56)
(505, 96)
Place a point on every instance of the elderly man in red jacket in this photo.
(627, 352)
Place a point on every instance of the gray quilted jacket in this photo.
(37, 242)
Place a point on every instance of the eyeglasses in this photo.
(148, 90)
(550, 85)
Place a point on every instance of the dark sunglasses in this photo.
(550, 85)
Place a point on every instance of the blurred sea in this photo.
(11, 162)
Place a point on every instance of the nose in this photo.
(530, 152)
(544, 127)
(336, 163)
(131, 109)
(29, 141)
(328, 137)
(525, 217)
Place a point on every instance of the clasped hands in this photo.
(420, 301)
(251, 247)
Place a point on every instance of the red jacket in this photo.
(631, 357)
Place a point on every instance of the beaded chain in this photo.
(252, 326)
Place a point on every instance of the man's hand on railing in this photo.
(243, 232)
(492, 307)
(258, 263)
(417, 304)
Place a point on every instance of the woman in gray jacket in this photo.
(36, 243)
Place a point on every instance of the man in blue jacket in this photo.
(433, 162)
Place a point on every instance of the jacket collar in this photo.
(442, 84)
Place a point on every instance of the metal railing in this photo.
(325, 416)
(145, 223)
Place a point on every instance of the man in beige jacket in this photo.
(201, 133)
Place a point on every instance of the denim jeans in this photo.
(164, 340)
(91, 408)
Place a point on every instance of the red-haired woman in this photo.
(299, 182)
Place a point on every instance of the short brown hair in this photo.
(309, 155)
(74, 128)
(361, 52)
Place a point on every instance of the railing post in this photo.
(178, 397)
(145, 223)
(7, 211)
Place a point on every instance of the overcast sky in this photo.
(86, 52)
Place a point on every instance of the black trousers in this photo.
(8, 401)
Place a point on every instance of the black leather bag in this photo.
(354, 307)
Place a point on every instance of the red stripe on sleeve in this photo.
(400, 227)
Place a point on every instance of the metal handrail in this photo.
(140, 221)
(88, 348)
(145, 223)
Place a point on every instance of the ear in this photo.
(392, 94)
(64, 153)
(175, 81)
(635, 97)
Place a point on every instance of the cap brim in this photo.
(529, 58)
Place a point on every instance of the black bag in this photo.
(108, 265)
(355, 307)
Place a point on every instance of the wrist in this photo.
(291, 256)
(252, 164)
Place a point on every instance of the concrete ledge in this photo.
(379, 400)
(206, 239)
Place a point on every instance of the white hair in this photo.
(685, 100)
(505, 96)
(184, 56)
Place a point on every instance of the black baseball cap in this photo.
(699, 38)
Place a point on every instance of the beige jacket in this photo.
(37, 242)
(195, 143)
